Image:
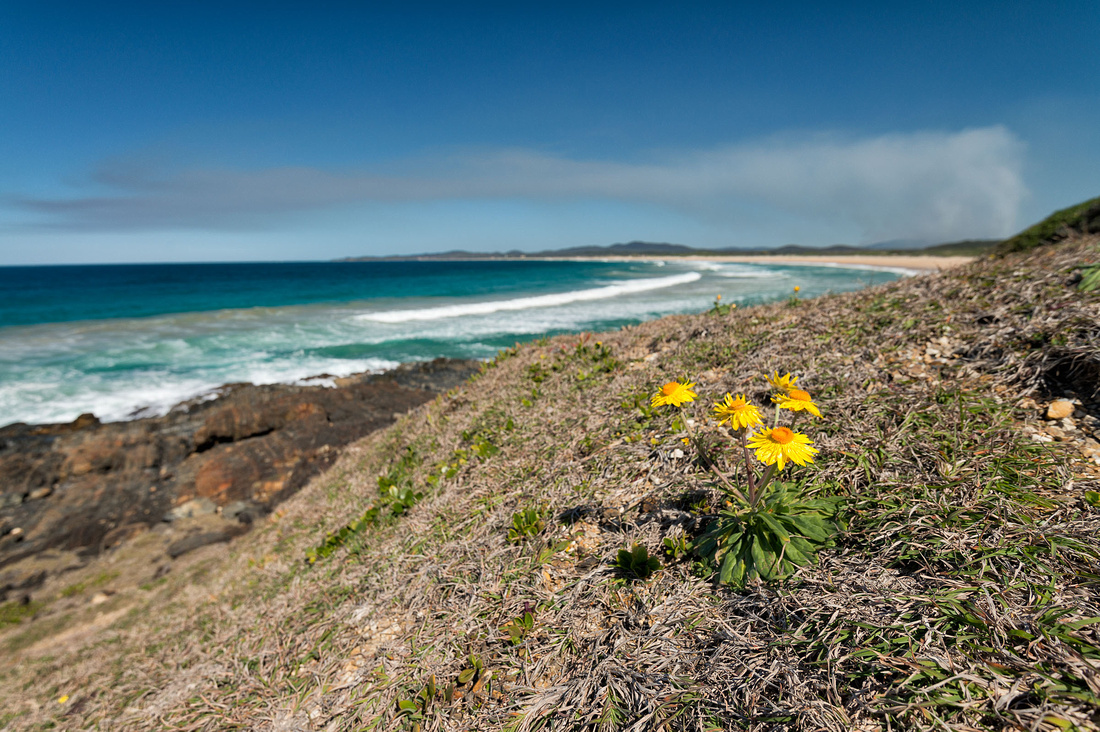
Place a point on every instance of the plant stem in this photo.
(768, 475)
(749, 478)
(710, 463)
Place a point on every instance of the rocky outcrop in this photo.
(87, 486)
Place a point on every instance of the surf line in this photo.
(526, 303)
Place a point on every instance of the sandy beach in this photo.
(923, 263)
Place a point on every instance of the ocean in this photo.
(126, 341)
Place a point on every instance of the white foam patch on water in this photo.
(528, 303)
(903, 271)
(306, 370)
(64, 393)
(743, 272)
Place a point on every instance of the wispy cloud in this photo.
(931, 185)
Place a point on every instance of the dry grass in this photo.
(962, 594)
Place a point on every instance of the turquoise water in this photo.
(133, 340)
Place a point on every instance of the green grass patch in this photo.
(1043, 232)
(15, 612)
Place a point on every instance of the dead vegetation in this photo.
(962, 593)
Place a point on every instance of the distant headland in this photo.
(645, 249)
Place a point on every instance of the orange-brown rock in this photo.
(86, 486)
(1060, 409)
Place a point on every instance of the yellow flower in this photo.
(797, 288)
(783, 383)
(797, 400)
(738, 412)
(63, 699)
(780, 445)
(674, 393)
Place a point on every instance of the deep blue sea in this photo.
(123, 341)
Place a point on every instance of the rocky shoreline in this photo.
(199, 474)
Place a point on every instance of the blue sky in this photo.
(202, 132)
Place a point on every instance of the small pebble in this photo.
(1060, 409)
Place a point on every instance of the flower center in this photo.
(782, 435)
(799, 395)
(670, 388)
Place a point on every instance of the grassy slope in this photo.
(961, 595)
(1054, 228)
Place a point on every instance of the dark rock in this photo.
(93, 483)
(114, 537)
(19, 578)
(191, 543)
(243, 511)
(190, 509)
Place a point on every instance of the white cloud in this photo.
(930, 185)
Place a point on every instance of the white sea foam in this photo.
(742, 272)
(153, 392)
(527, 303)
(903, 271)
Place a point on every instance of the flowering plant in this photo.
(765, 530)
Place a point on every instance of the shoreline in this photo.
(920, 263)
(899, 264)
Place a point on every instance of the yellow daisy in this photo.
(783, 383)
(674, 393)
(738, 412)
(780, 445)
(797, 400)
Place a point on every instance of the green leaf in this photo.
(1078, 624)
(731, 547)
(738, 573)
(466, 675)
(776, 528)
(795, 556)
(726, 574)
(762, 559)
(1090, 279)
(812, 527)
(802, 545)
(707, 546)
(1092, 498)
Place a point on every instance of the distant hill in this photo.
(663, 249)
(899, 245)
